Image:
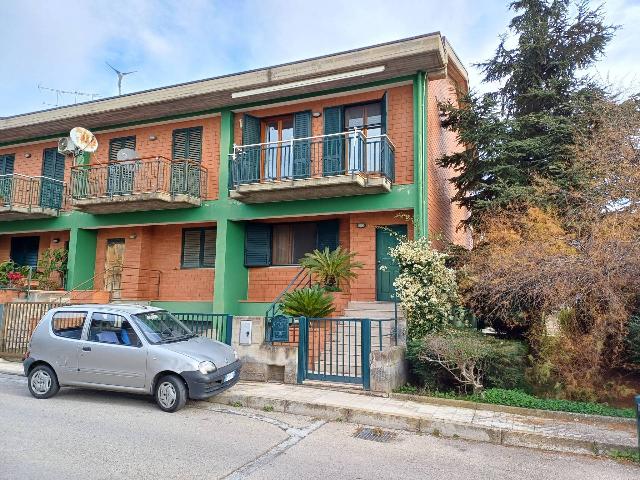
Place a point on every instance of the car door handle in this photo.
(86, 349)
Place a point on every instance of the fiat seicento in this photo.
(127, 348)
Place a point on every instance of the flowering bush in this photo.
(14, 277)
(426, 288)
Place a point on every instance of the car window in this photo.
(111, 328)
(68, 324)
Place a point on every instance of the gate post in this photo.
(366, 354)
(228, 329)
(303, 330)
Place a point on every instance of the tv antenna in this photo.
(61, 93)
(121, 75)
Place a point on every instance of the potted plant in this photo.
(311, 302)
(331, 267)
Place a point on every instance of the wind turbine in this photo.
(121, 75)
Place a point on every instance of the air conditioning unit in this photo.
(67, 147)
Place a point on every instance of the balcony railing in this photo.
(149, 183)
(31, 196)
(347, 153)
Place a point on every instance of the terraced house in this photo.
(235, 178)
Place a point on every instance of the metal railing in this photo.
(347, 153)
(23, 191)
(139, 176)
(301, 280)
(216, 326)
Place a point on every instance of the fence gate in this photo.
(19, 321)
(216, 326)
(335, 349)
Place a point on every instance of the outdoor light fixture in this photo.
(361, 225)
(317, 114)
(27, 155)
(153, 138)
(133, 236)
(55, 240)
(311, 81)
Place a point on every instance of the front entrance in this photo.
(386, 268)
(114, 261)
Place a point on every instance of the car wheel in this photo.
(43, 382)
(171, 393)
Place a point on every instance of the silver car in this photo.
(127, 348)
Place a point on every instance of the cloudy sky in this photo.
(64, 44)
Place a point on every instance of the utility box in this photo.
(245, 332)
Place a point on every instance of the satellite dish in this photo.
(84, 139)
(127, 154)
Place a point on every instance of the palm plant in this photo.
(331, 267)
(311, 302)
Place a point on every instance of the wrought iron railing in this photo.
(216, 326)
(139, 176)
(346, 153)
(23, 191)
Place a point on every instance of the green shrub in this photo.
(517, 398)
(633, 340)
(331, 267)
(52, 260)
(506, 365)
(9, 267)
(313, 302)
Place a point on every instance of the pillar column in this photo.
(81, 263)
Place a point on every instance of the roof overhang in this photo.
(429, 53)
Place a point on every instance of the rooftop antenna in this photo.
(60, 94)
(121, 75)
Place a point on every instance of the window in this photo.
(24, 251)
(117, 144)
(198, 247)
(6, 164)
(113, 329)
(367, 119)
(278, 155)
(291, 241)
(68, 324)
(187, 144)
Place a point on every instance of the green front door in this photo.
(386, 269)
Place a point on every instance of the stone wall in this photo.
(388, 369)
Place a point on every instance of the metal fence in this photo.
(325, 155)
(19, 321)
(139, 176)
(28, 192)
(217, 326)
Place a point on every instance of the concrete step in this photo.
(372, 314)
(382, 306)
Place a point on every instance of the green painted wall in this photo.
(231, 277)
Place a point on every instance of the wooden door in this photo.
(113, 264)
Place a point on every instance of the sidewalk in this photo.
(559, 432)
(569, 433)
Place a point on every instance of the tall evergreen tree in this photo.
(524, 131)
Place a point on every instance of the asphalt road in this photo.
(95, 435)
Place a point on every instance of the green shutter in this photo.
(332, 147)
(52, 169)
(328, 236)
(117, 144)
(6, 182)
(191, 248)
(6, 164)
(302, 149)
(257, 245)
(383, 113)
(209, 247)
(248, 169)
(187, 144)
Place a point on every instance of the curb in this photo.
(415, 424)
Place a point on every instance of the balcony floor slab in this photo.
(12, 212)
(135, 203)
(311, 188)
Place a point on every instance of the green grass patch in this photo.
(625, 455)
(518, 398)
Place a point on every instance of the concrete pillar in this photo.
(81, 263)
(420, 153)
(232, 277)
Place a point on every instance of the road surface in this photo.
(88, 434)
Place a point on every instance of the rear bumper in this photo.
(203, 386)
(26, 364)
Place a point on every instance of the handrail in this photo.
(140, 159)
(32, 176)
(302, 277)
(293, 140)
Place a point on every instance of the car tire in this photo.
(43, 382)
(171, 393)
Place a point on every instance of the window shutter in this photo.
(187, 144)
(249, 168)
(53, 164)
(250, 129)
(209, 248)
(117, 144)
(383, 113)
(332, 147)
(257, 245)
(328, 236)
(191, 248)
(302, 149)
(6, 164)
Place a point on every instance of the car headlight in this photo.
(207, 367)
(235, 355)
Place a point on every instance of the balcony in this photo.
(153, 183)
(338, 165)
(23, 197)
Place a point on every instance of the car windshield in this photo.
(162, 327)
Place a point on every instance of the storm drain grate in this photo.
(375, 435)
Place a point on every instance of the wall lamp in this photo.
(55, 240)
(133, 236)
(153, 138)
(361, 225)
(27, 155)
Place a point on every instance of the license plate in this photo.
(229, 376)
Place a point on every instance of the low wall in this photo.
(262, 361)
(388, 369)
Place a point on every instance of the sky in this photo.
(62, 44)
